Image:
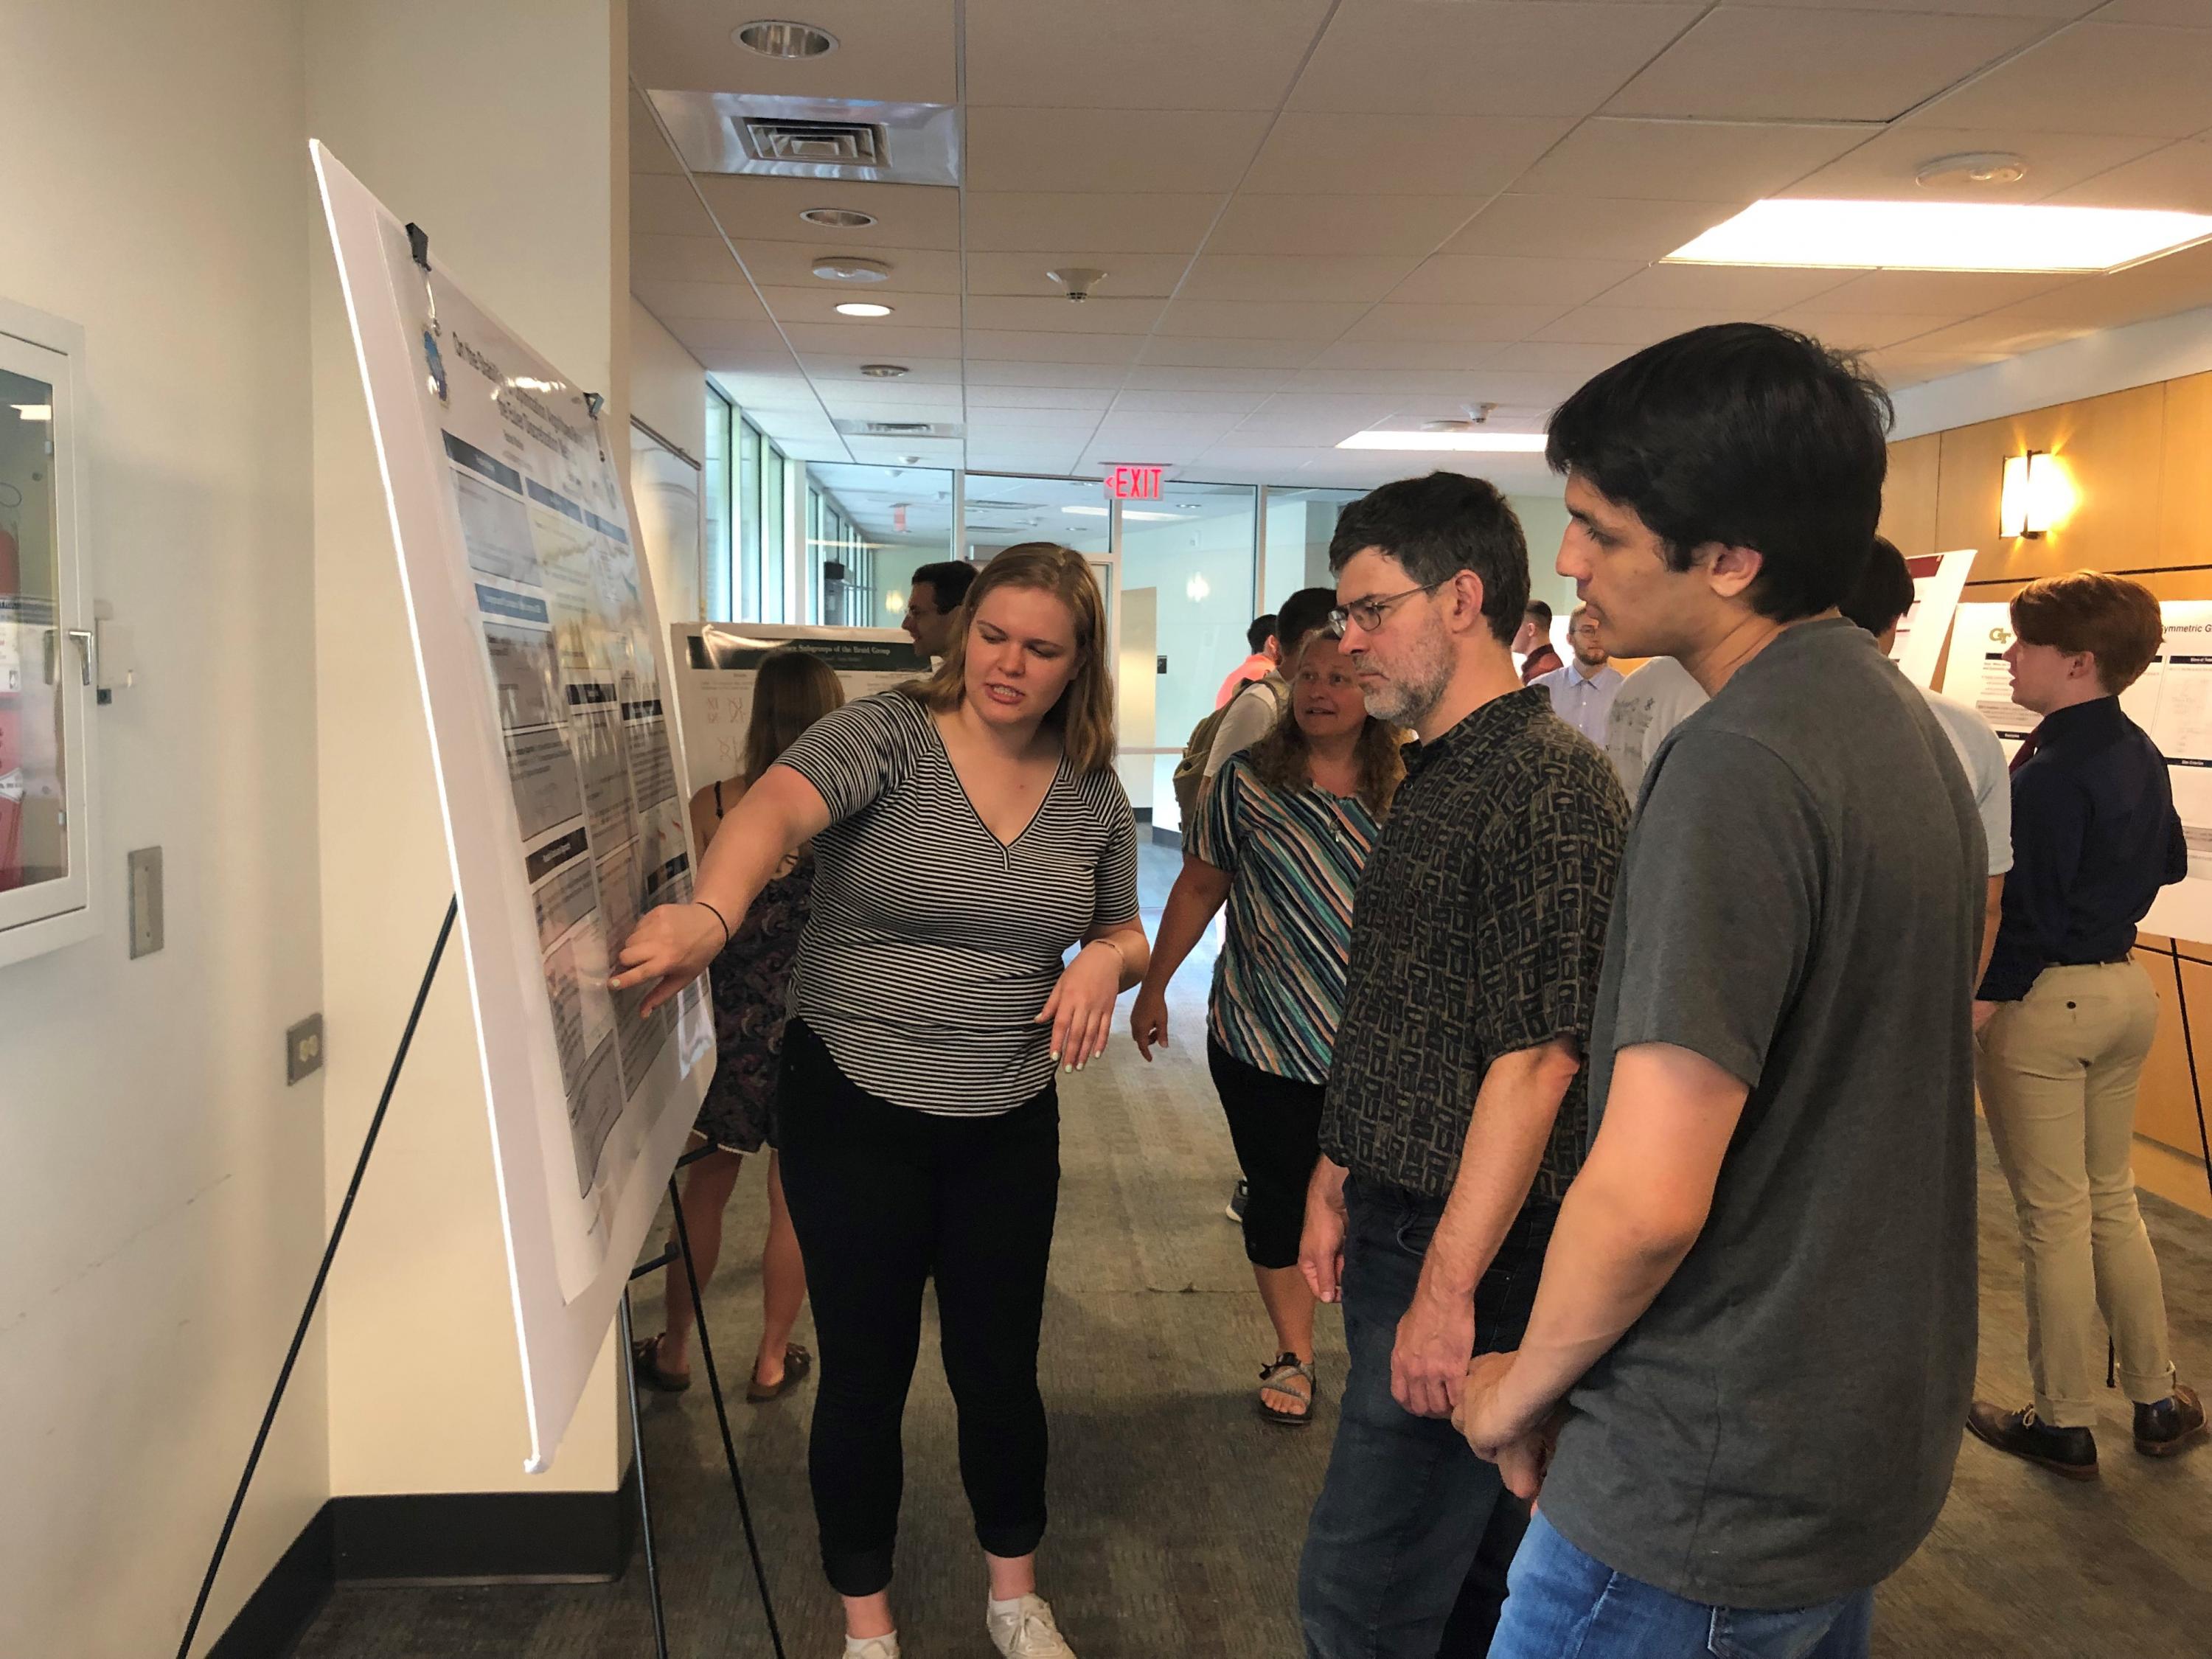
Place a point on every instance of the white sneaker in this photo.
(1027, 1631)
(875, 1647)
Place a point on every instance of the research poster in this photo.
(536, 638)
(2172, 702)
(1938, 579)
(715, 663)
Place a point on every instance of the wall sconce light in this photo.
(2035, 497)
(1196, 588)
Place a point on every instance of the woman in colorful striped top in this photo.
(1281, 835)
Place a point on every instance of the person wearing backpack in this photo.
(1254, 711)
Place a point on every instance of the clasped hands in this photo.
(1518, 1440)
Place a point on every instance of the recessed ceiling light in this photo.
(834, 270)
(1502, 443)
(774, 38)
(839, 218)
(1942, 236)
(863, 308)
(1126, 512)
(884, 371)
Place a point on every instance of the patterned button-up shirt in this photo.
(1477, 931)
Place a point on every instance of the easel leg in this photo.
(322, 1276)
(722, 1417)
(644, 1499)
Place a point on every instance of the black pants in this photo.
(1274, 1123)
(882, 1198)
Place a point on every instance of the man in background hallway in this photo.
(1583, 691)
(1456, 1108)
(1755, 1332)
(1265, 654)
(934, 597)
(1533, 640)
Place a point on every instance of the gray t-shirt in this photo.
(1800, 902)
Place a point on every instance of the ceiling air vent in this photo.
(840, 143)
(899, 428)
(850, 138)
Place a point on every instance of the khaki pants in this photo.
(2057, 1072)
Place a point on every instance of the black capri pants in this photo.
(882, 1198)
(1274, 1123)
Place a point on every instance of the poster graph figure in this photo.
(539, 653)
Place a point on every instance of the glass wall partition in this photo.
(879, 524)
(1300, 523)
(719, 557)
(749, 521)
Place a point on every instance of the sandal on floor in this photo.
(1283, 1376)
(797, 1363)
(645, 1360)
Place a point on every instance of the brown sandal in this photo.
(1284, 1375)
(797, 1363)
(645, 1360)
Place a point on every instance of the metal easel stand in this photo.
(667, 1257)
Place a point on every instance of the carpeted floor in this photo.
(1177, 1515)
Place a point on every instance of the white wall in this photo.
(2111, 360)
(496, 126)
(667, 384)
(160, 1189)
(1543, 522)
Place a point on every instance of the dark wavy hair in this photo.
(1281, 760)
(1438, 526)
(1748, 435)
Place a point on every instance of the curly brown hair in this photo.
(1281, 760)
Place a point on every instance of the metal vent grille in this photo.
(899, 428)
(841, 143)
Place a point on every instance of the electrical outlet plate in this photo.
(303, 1049)
(146, 932)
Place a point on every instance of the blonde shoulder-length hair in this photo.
(1084, 716)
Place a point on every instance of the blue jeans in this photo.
(1406, 1552)
(1567, 1605)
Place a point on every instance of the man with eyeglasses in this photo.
(1456, 1111)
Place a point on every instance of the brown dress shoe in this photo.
(2069, 1452)
(2172, 1425)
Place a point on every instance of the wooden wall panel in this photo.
(2166, 1109)
(1908, 495)
(2185, 522)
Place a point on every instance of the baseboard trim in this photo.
(414, 1539)
(1166, 837)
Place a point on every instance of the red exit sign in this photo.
(1134, 483)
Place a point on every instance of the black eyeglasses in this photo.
(1368, 612)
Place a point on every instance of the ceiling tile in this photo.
(1128, 276)
(1482, 56)
(790, 265)
(1016, 221)
(729, 301)
(884, 341)
(1753, 291)
(1404, 226)
(1162, 351)
(1260, 320)
(1685, 160)
(681, 259)
(1035, 314)
(1118, 430)
(1579, 359)
(1511, 390)
(1884, 166)
(1957, 293)
(2176, 12)
(898, 54)
(2095, 77)
(1747, 64)
(1283, 276)
(1399, 155)
(863, 409)
(664, 204)
(1453, 279)
(1016, 398)
(1111, 149)
(1002, 372)
(1632, 326)
(2178, 177)
(1021, 345)
(1611, 228)
(1406, 354)
(2002, 333)
(817, 304)
(2179, 281)
(767, 210)
(1228, 54)
(1151, 374)
(648, 150)
(2050, 9)
(839, 390)
(1393, 321)
(1859, 331)
(1076, 422)
(1236, 403)
(847, 366)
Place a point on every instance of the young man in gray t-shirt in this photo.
(1743, 1380)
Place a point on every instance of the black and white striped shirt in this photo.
(933, 945)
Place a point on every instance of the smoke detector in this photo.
(1477, 417)
(775, 37)
(1077, 280)
(832, 268)
(1991, 168)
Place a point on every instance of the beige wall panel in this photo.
(1908, 496)
(2166, 1109)
(2185, 523)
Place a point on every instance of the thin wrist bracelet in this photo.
(717, 916)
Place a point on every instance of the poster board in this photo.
(1938, 579)
(2172, 702)
(537, 647)
(715, 667)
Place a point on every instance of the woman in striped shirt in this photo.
(968, 830)
(1281, 835)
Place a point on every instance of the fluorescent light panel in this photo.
(1496, 443)
(1942, 236)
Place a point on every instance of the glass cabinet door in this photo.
(46, 657)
